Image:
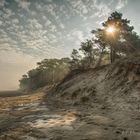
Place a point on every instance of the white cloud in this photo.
(7, 13)
(2, 3)
(79, 7)
(102, 9)
(15, 21)
(1, 23)
(62, 26)
(50, 8)
(121, 4)
(34, 24)
(24, 4)
(78, 34)
(38, 7)
(53, 28)
(44, 17)
(33, 13)
(49, 0)
(48, 22)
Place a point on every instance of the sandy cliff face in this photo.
(116, 86)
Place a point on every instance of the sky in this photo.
(31, 30)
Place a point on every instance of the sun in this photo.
(110, 29)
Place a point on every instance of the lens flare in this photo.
(110, 29)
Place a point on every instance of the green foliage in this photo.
(48, 72)
(75, 63)
(92, 52)
(24, 82)
(123, 38)
(123, 41)
(87, 49)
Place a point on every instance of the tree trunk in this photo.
(53, 76)
(112, 54)
(91, 59)
(100, 58)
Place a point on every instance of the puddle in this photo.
(43, 117)
(35, 106)
(5, 109)
(26, 106)
(26, 137)
(48, 121)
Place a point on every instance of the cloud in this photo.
(101, 8)
(15, 21)
(47, 23)
(121, 4)
(33, 13)
(34, 24)
(78, 34)
(24, 4)
(7, 13)
(79, 7)
(1, 23)
(48, 26)
(2, 3)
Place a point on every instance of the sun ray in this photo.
(110, 29)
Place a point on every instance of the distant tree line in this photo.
(47, 72)
(114, 40)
